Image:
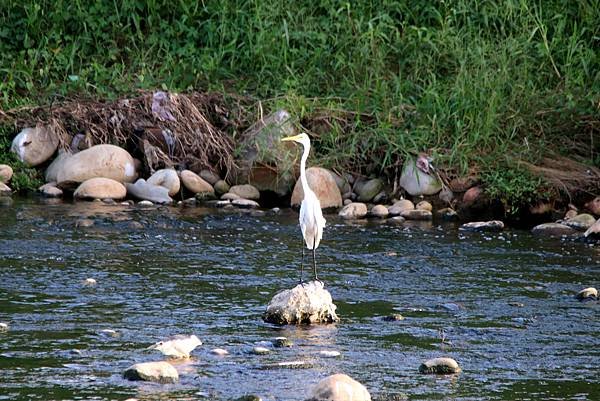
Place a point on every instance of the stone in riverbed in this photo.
(323, 185)
(416, 182)
(5, 189)
(587, 293)
(219, 351)
(194, 183)
(167, 178)
(281, 342)
(6, 173)
(56, 165)
(424, 205)
(245, 203)
(245, 191)
(379, 211)
(367, 191)
(594, 206)
(442, 366)
(260, 350)
(307, 303)
(492, 225)
(329, 354)
(396, 317)
(354, 210)
(83, 223)
(250, 397)
(106, 161)
(34, 146)
(100, 188)
(421, 215)
(4, 327)
(447, 214)
(594, 230)
(145, 191)
(339, 387)
(398, 207)
(209, 176)
(159, 372)
(229, 196)
(552, 230)
(581, 222)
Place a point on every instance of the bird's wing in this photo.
(312, 221)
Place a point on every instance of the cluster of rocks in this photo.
(573, 223)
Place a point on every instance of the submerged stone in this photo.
(442, 366)
(581, 222)
(396, 317)
(402, 205)
(587, 293)
(492, 225)
(307, 303)
(379, 211)
(552, 229)
(280, 342)
(421, 215)
(329, 354)
(260, 350)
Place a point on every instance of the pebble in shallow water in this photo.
(396, 317)
(219, 351)
(89, 282)
(260, 350)
(442, 366)
(160, 372)
(587, 293)
(329, 354)
(3, 327)
(339, 387)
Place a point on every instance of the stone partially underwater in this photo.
(307, 303)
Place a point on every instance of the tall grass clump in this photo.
(475, 83)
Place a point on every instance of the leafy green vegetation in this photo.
(470, 82)
(513, 186)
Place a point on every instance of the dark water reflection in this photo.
(502, 305)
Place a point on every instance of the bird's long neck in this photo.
(303, 179)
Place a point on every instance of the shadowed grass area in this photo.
(478, 84)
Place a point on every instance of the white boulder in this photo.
(6, 173)
(34, 146)
(148, 192)
(417, 182)
(167, 178)
(339, 387)
(160, 372)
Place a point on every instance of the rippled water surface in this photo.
(501, 304)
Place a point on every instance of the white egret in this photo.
(311, 217)
(179, 346)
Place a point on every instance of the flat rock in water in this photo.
(245, 203)
(230, 196)
(281, 342)
(581, 222)
(260, 350)
(219, 351)
(159, 372)
(552, 230)
(167, 178)
(329, 354)
(339, 387)
(442, 366)
(100, 188)
(6, 173)
(492, 225)
(587, 293)
(422, 215)
(145, 191)
(245, 191)
(307, 303)
(353, 210)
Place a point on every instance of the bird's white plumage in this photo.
(179, 346)
(311, 220)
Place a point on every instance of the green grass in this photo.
(472, 82)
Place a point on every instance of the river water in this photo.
(501, 304)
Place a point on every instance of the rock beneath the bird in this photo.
(447, 214)
(5, 189)
(398, 207)
(420, 215)
(339, 387)
(222, 187)
(368, 190)
(245, 191)
(323, 185)
(100, 188)
(587, 293)
(379, 211)
(581, 222)
(354, 210)
(229, 196)
(245, 203)
(6, 173)
(424, 205)
(594, 206)
(307, 303)
(107, 161)
(209, 176)
(159, 372)
(417, 182)
(492, 225)
(194, 183)
(167, 178)
(34, 146)
(441, 366)
(552, 230)
(266, 162)
(144, 191)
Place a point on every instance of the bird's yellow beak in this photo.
(290, 138)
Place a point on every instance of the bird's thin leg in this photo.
(302, 262)
(314, 259)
